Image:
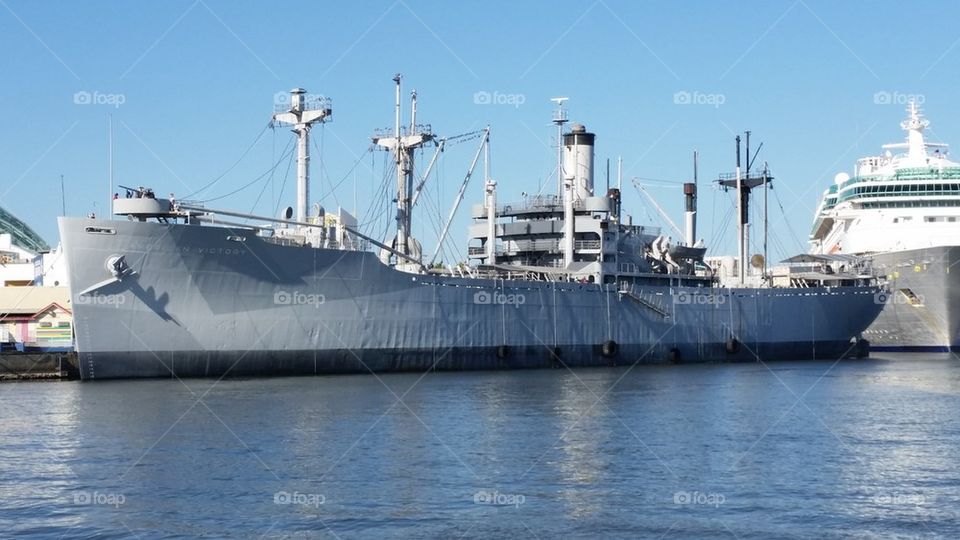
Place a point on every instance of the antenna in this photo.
(608, 174)
(63, 199)
(748, 160)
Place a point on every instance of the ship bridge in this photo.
(22, 235)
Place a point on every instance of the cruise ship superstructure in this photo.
(902, 210)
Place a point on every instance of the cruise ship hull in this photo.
(210, 302)
(922, 311)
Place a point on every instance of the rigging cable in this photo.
(283, 187)
(245, 152)
(254, 181)
(793, 233)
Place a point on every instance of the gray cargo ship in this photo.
(177, 290)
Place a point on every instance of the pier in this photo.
(60, 366)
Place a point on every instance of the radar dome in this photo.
(841, 178)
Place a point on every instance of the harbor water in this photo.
(851, 449)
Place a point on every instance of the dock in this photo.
(61, 366)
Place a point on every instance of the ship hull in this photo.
(211, 302)
(922, 311)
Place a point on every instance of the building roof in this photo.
(31, 300)
(21, 233)
(19, 317)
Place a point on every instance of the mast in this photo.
(608, 174)
(109, 165)
(568, 223)
(914, 126)
(744, 184)
(403, 195)
(403, 146)
(490, 189)
(766, 221)
(560, 118)
(302, 115)
(740, 227)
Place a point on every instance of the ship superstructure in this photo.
(180, 289)
(577, 235)
(902, 210)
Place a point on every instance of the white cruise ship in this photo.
(902, 209)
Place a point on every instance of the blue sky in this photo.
(190, 84)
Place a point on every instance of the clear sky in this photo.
(190, 84)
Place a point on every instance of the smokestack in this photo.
(690, 198)
(578, 160)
